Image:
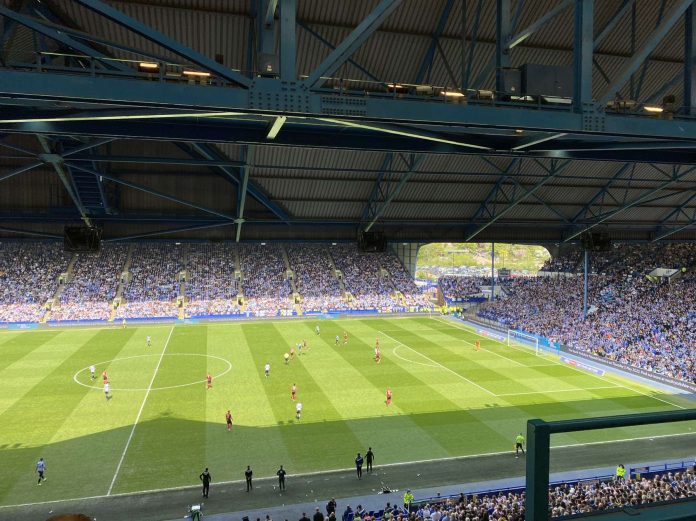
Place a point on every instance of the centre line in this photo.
(140, 412)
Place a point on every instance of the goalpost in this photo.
(519, 338)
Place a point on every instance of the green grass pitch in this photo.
(162, 425)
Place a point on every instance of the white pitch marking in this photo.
(140, 412)
(349, 469)
(229, 368)
(439, 364)
(618, 384)
(576, 390)
(394, 351)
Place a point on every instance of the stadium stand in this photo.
(315, 279)
(152, 290)
(454, 287)
(29, 277)
(565, 498)
(639, 322)
(265, 287)
(95, 279)
(211, 288)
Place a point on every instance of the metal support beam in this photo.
(212, 153)
(619, 173)
(150, 191)
(541, 22)
(427, 63)
(166, 42)
(65, 178)
(332, 47)
(690, 62)
(58, 36)
(352, 43)
(585, 270)
(642, 54)
(270, 12)
(492, 271)
(242, 189)
(414, 163)
(663, 231)
(582, 55)
(29, 232)
(555, 170)
(633, 203)
(288, 42)
(502, 42)
(613, 22)
(377, 191)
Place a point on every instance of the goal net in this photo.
(519, 338)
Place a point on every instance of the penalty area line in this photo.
(438, 364)
(336, 471)
(140, 412)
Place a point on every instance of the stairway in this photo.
(118, 298)
(334, 271)
(89, 191)
(286, 261)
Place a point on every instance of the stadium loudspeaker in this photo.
(82, 239)
(372, 242)
(596, 241)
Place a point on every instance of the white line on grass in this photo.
(140, 412)
(576, 390)
(439, 364)
(618, 384)
(332, 471)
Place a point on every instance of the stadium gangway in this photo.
(539, 441)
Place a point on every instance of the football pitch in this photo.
(162, 425)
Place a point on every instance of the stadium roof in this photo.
(352, 130)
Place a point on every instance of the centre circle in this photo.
(198, 382)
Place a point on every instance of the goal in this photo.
(519, 338)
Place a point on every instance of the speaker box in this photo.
(81, 239)
(596, 241)
(372, 242)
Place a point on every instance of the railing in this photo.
(539, 442)
(166, 71)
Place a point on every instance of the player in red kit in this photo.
(378, 354)
(345, 337)
(293, 392)
(104, 377)
(478, 345)
(377, 342)
(389, 396)
(228, 419)
(209, 380)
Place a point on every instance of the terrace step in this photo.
(125, 272)
(289, 273)
(338, 275)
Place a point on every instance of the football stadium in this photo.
(383, 260)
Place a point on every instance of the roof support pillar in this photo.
(288, 44)
(582, 55)
(690, 62)
(502, 42)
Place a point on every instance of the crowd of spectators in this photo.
(153, 288)
(93, 284)
(568, 262)
(364, 279)
(265, 286)
(454, 287)
(29, 274)
(633, 320)
(211, 287)
(624, 258)
(564, 500)
(403, 282)
(315, 278)
(159, 275)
